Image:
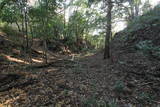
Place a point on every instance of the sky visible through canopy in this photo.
(119, 26)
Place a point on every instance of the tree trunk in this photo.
(46, 30)
(108, 30)
(26, 29)
(18, 26)
(23, 26)
(45, 51)
(136, 10)
(64, 31)
(30, 45)
(22, 30)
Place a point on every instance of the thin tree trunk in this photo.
(18, 26)
(23, 27)
(45, 51)
(108, 30)
(131, 3)
(64, 32)
(46, 30)
(23, 33)
(26, 30)
(31, 30)
(30, 46)
(136, 10)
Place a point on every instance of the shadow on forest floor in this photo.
(127, 79)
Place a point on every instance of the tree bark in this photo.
(64, 31)
(108, 30)
(19, 29)
(45, 30)
(136, 10)
(26, 27)
(45, 51)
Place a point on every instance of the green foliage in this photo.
(9, 30)
(145, 97)
(147, 47)
(78, 68)
(146, 6)
(93, 102)
(97, 40)
(10, 14)
(93, 1)
(119, 86)
(90, 102)
(76, 26)
(44, 21)
(12, 34)
(2, 24)
(151, 18)
(112, 103)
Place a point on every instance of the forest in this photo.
(79, 53)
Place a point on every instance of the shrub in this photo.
(93, 102)
(119, 86)
(151, 18)
(145, 97)
(9, 30)
(148, 48)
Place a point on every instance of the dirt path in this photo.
(61, 83)
(85, 82)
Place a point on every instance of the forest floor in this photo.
(79, 80)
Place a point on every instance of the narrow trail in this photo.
(85, 81)
(62, 82)
(124, 80)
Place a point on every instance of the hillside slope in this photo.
(136, 57)
(130, 78)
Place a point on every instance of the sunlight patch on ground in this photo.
(37, 60)
(7, 102)
(2, 34)
(52, 69)
(20, 94)
(5, 105)
(41, 52)
(86, 54)
(15, 59)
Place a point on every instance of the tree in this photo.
(108, 30)
(146, 7)
(46, 22)
(109, 4)
(10, 13)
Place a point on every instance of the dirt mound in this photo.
(151, 33)
(136, 58)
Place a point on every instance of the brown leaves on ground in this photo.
(128, 79)
(80, 83)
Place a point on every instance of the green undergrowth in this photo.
(12, 34)
(93, 101)
(148, 48)
(151, 18)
